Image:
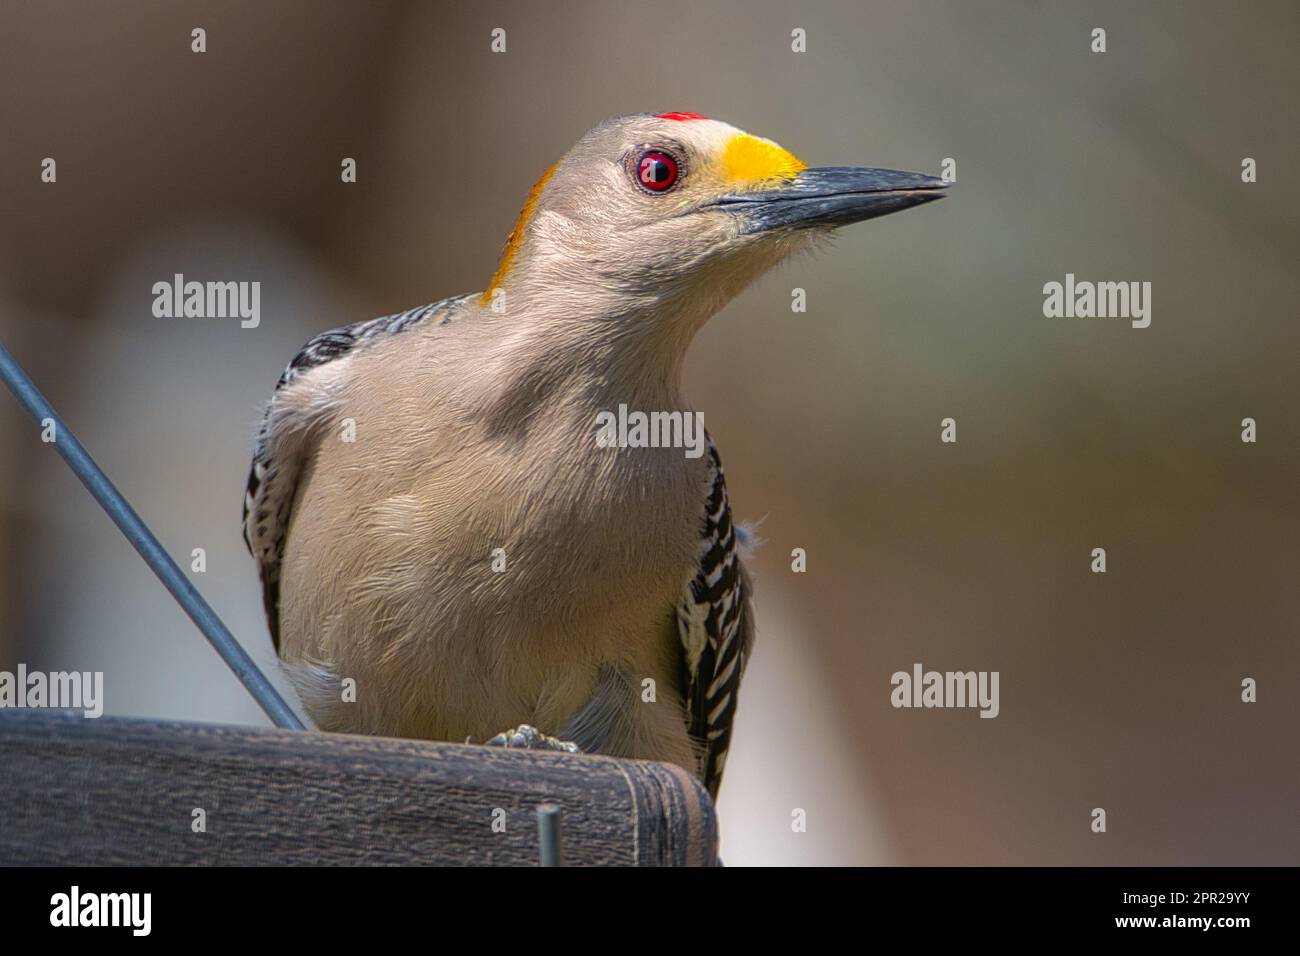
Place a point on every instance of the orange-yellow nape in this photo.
(516, 235)
(753, 160)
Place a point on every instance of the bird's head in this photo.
(653, 209)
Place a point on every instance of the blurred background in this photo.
(1119, 690)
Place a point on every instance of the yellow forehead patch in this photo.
(749, 159)
(517, 235)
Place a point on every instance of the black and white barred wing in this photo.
(301, 408)
(715, 624)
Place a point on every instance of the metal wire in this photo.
(548, 834)
(143, 540)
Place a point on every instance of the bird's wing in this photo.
(715, 623)
(290, 432)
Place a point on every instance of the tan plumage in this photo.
(474, 430)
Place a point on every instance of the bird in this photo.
(451, 548)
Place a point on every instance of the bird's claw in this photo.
(530, 738)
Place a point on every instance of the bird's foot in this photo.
(530, 738)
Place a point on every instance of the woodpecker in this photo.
(433, 513)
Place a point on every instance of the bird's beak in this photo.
(830, 196)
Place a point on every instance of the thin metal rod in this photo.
(548, 833)
(143, 540)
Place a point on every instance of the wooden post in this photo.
(125, 791)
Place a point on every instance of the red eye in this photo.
(656, 170)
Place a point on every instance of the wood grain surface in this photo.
(121, 791)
